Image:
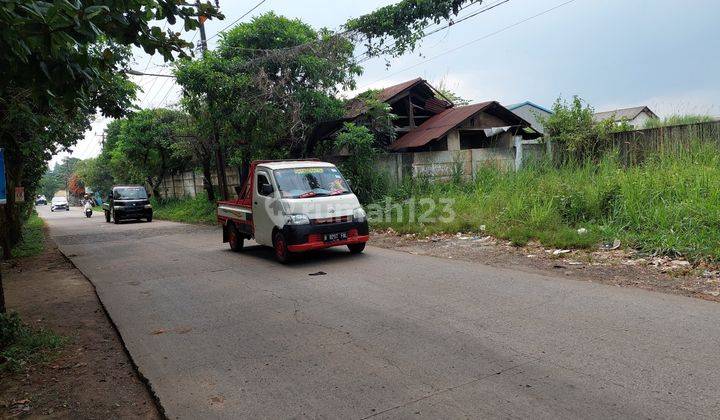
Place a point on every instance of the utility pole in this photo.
(219, 157)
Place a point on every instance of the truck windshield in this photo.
(310, 182)
(130, 193)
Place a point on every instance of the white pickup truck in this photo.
(294, 206)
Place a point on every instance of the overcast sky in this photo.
(612, 53)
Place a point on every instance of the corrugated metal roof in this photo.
(438, 125)
(618, 114)
(357, 107)
(529, 103)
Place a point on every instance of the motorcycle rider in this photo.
(87, 205)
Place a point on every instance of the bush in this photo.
(367, 183)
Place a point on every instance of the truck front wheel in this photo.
(356, 248)
(280, 246)
(236, 241)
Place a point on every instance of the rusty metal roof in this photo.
(356, 107)
(438, 125)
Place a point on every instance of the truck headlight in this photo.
(148, 206)
(359, 214)
(298, 219)
(118, 207)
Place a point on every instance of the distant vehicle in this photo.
(59, 203)
(294, 206)
(128, 202)
(41, 200)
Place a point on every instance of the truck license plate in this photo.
(332, 237)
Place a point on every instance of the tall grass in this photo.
(186, 210)
(670, 204)
(677, 120)
(32, 238)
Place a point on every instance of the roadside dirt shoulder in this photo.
(92, 376)
(619, 267)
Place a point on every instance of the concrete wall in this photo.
(190, 183)
(443, 164)
(397, 166)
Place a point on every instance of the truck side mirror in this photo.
(266, 189)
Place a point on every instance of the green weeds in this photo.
(187, 210)
(32, 238)
(21, 345)
(668, 205)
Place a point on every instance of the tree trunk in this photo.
(207, 178)
(2, 293)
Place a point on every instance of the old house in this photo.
(437, 138)
(636, 117)
(532, 113)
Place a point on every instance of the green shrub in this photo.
(21, 345)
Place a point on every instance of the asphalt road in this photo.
(387, 334)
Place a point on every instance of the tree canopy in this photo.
(62, 61)
(141, 147)
(269, 107)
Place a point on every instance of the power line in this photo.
(160, 89)
(162, 102)
(237, 20)
(434, 31)
(491, 34)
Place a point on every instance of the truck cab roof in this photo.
(294, 164)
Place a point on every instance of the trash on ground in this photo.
(608, 246)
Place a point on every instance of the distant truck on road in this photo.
(127, 202)
(294, 206)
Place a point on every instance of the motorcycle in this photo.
(88, 209)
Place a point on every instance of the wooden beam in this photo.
(410, 112)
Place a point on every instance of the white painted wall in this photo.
(530, 114)
(640, 120)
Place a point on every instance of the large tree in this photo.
(142, 147)
(61, 62)
(264, 106)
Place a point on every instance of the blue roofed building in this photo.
(531, 113)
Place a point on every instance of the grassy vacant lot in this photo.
(668, 205)
(188, 210)
(32, 242)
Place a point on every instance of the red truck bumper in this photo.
(315, 241)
